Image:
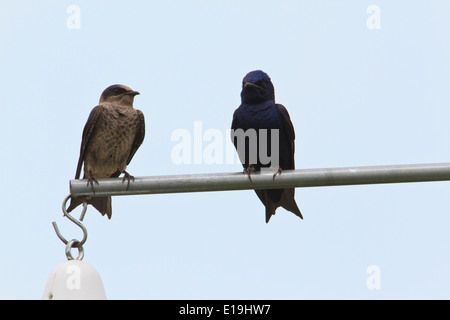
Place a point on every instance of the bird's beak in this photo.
(249, 84)
(132, 93)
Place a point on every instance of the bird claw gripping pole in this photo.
(74, 243)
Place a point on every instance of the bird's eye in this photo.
(262, 84)
(118, 91)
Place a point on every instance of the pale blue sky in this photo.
(356, 97)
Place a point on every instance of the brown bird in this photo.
(112, 134)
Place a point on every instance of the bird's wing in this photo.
(88, 131)
(235, 124)
(288, 127)
(139, 138)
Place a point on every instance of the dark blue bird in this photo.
(257, 111)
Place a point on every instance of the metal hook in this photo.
(76, 243)
(69, 247)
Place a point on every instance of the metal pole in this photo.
(288, 179)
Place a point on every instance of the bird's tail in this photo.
(102, 204)
(270, 210)
(287, 201)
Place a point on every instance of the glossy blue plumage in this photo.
(258, 110)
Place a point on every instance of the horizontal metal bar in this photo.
(287, 179)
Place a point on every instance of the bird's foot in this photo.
(128, 177)
(278, 172)
(249, 170)
(91, 180)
